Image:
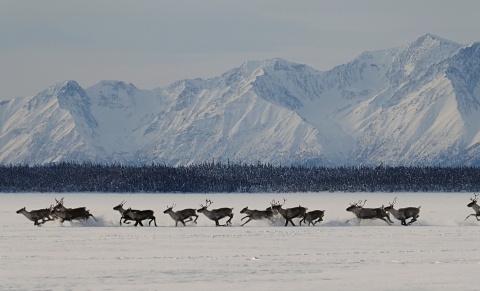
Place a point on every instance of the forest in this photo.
(211, 177)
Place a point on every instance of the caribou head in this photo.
(169, 208)
(474, 201)
(59, 206)
(203, 208)
(356, 205)
(276, 205)
(390, 205)
(119, 206)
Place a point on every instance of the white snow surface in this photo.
(439, 252)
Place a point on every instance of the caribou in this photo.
(120, 209)
(69, 214)
(289, 213)
(139, 215)
(368, 213)
(257, 215)
(181, 215)
(475, 207)
(403, 214)
(216, 214)
(313, 217)
(36, 215)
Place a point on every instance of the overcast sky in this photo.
(154, 43)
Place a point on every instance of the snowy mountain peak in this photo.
(430, 38)
(431, 48)
(415, 104)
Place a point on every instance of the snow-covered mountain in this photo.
(418, 104)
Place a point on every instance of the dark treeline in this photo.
(216, 177)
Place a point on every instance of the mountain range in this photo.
(418, 104)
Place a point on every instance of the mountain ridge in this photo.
(413, 105)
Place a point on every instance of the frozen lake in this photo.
(439, 252)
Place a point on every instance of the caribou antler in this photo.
(394, 201)
(208, 203)
(475, 199)
(59, 202)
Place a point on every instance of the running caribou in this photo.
(475, 207)
(289, 213)
(257, 215)
(69, 214)
(216, 214)
(403, 214)
(313, 217)
(181, 215)
(120, 209)
(368, 213)
(36, 215)
(139, 215)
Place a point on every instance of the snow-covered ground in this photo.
(439, 252)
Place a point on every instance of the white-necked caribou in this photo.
(36, 215)
(368, 213)
(216, 214)
(475, 207)
(182, 215)
(289, 213)
(403, 214)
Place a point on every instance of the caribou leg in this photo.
(43, 221)
(154, 221)
(413, 220)
(230, 220)
(476, 216)
(303, 221)
(125, 220)
(388, 217)
(384, 220)
(286, 222)
(218, 224)
(317, 221)
(246, 222)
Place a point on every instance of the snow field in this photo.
(439, 252)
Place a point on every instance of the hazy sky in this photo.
(154, 43)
